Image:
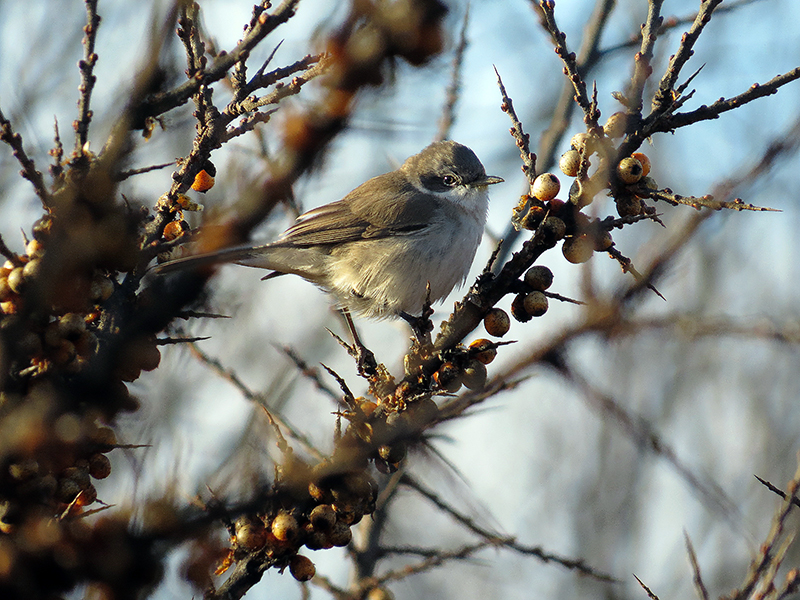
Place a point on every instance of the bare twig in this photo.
(712, 111)
(707, 201)
(88, 79)
(698, 579)
(571, 69)
(454, 86)
(641, 62)
(29, 171)
(501, 540)
(131, 172)
(522, 139)
(665, 96)
(770, 552)
(649, 592)
(233, 378)
(265, 24)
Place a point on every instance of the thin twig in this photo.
(233, 378)
(454, 86)
(88, 79)
(712, 111)
(702, 591)
(131, 172)
(509, 542)
(665, 96)
(649, 592)
(571, 69)
(522, 139)
(265, 24)
(29, 171)
(642, 61)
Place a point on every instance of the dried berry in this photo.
(570, 163)
(302, 568)
(32, 268)
(554, 228)
(393, 453)
(99, 466)
(518, 309)
(483, 350)
(539, 278)
(496, 322)
(204, 180)
(175, 229)
(71, 325)
(340, 534)
(578, 248)
(250, 532)
(644, 161)
(546, 187)
(34, 249)
(582, 142)
(535, 304)
(474, 376)
(603, 241)
(322, 517)
(630, 170)
(104, 437)
(448, 377)
(285, 527)
(101, 289)
(16, 280)
(615, 125)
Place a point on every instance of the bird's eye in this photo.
(449, 180)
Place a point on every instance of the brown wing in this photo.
(384, 206)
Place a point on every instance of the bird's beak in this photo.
(487, 180)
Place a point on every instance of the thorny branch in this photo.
(29, 171)
(88, 78)
(571, 69)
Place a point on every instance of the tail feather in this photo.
(309, 263)
(226, 255)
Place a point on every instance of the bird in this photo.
(376, 250)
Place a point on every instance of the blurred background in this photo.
(711, 372)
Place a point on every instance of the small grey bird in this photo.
(376, 249)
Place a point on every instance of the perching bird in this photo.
(376, 249)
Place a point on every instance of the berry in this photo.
(546, 187)
(496, 322)
(535, 304)
(539, 278)
(630, 170)
(578, 249)
(570, 163)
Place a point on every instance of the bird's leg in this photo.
(421, 325)
(365, 360)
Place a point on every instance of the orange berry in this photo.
(644, 160)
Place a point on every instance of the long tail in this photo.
(226, 255)
(309, 263)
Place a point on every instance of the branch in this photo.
(713, 111)
(235, 380)
(88, 79)
(570, 65)
(642, 69)
(29, 171)
(522, 138)
(265, 24)
(454, 86)
(665, 97)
